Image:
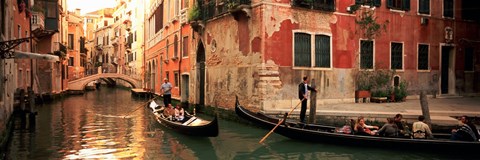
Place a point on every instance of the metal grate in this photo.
(303, 51)
(422, 57)
(322, 51)
(396, 57)
(366, 54)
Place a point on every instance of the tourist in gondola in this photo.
(179, 113)
(363, 129)
(303, 96)
(390, 129)
(169, 112)
(465, 132)
(166, 92)
(421, 130)
(402, 126)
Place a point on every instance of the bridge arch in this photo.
(79, 84)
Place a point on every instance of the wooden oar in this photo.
(140, 106)
(280, 122)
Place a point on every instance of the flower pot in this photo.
(362, 94)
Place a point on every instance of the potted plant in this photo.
(364, 85)
(400, 91)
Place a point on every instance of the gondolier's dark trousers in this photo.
(303, 110)
(167, 99)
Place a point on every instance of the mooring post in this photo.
(313, 103)
(425, 110)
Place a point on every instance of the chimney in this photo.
(77, 11)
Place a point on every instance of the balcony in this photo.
(211, 9)
(327, 5)
(38, 20)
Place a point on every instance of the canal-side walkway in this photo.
(442, 109)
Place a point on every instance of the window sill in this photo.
(423, 14)
(312, 68)
(449, 18)
(397, 10)
(423, 71)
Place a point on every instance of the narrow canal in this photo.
(94, 126)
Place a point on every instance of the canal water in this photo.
(97, 125)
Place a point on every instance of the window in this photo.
(176, 78)
(89, 20)
(366, 54)
(396, 50)
(303, 54)
(135, 36)
(399, 4)
(159, 18)
(51, 9)
(470, 10)
(376, 3)
(167, 75)
(166, 50)
(105, 23)
(324, 5)
(448, 8)
(175, 46)
(185, 4)
(468, 59)
(70, 61)
(422, 57)
(185, 46)
(70, 41)
(424, 6)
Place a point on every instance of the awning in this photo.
(30, 55)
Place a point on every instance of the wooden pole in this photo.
(425, 110)
(313, 104)
(280, 122)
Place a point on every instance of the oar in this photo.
(140, 106)
(280, 122)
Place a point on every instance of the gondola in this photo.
(192, 125)
(328, 134)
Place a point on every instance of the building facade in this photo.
(76, 53)
(260, 50)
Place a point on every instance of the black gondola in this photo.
(328, 134)
(192, 125)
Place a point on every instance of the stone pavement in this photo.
(442, 109)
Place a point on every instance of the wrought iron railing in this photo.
(211, 9)
(323, 5)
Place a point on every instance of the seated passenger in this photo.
(421, 130)
(390, 129)
(179, 113)
(362, 129)
(402, 126)
(169, 112)
(465, 132)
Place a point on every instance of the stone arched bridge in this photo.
(79, 84)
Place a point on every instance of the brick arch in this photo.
(79, 84)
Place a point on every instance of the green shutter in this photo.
(424, 7)
(406, 5)
(396, 56)
(359, 2)
(302, 53)
(422, 57)
(322, 51)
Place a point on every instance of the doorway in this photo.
(201, 73)
(447, 70)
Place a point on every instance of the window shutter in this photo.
(377, 3)
(389, 3)
(359, 2)
(406, 5)
(303, 51)
(322, 51)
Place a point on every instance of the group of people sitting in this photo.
(174, 114)
(395, 127)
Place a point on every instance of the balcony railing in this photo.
(323, 5)
(213, 9)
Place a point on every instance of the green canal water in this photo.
(94, 126)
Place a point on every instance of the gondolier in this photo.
(303, 96)
(166, 91)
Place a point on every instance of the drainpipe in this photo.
(180, 65)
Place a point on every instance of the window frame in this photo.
(176, 78)
(403, 55)
(453, 10)
(429, 8)
(312, 50)
(428, 58)
(71, 42)
(360, 52)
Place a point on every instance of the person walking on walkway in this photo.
(167, 95)
(303, 96)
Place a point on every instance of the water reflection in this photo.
(96, 126)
